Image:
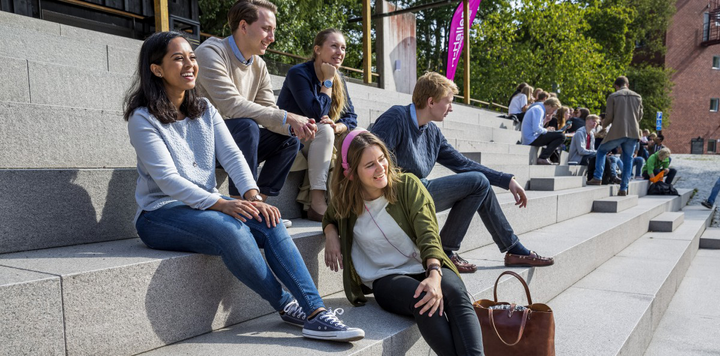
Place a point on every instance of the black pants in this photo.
(551, 140)
(262, 145)
(667, 179)
(459, 334)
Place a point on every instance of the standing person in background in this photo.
(710, 201)
(317, 90)
(534, 134)
(237, 82)
(178, 137)
(382, 231)
(624, 111)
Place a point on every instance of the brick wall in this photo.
(695, 80)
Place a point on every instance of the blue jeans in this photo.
(714, 192)
(262, 145)
(628, 147)
(464, 194)
(178, 227)
(615, 163)
(638, 163)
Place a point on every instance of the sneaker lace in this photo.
(330, 316)
(295, 310)
(460, 259)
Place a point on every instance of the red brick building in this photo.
(693, 51)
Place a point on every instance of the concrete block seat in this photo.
(615, 309)
(667, 222)
(711, 239)
(691, 334)
(615, 204)
(556, 183)
(577, 254)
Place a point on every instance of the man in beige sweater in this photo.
(624, 111)
(237, 82)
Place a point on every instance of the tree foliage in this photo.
(655, 86)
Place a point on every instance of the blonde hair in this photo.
(663, 153)
(346, 191)
(432, 85)
(593, 117)
(339, 96)
(528, 91)
(552, 102)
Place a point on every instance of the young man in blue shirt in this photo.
(417, 144)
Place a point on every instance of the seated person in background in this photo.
(518, 90)
(317, 90)
(521, 102)
(659, 162)
(536, 93)
(638, 162)
(643, 151)
(578, 121)
(391, 247)
(178, 137)
(417, 144)
(710, 201)
(534, 134)
(657, 144)
(582, 145)
(541, 97)
(559, 120)
(236, 80)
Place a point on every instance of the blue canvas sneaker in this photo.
(293, 314)
(326, 326)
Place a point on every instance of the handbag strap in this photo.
(522, 327)
(527, 290)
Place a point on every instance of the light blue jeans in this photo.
(178, 227)
(714, 192)
(628, 147)
(638, 163)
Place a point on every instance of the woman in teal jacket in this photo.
(381, 229)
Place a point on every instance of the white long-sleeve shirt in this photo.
(177, 161)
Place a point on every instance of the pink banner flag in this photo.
(457, 37)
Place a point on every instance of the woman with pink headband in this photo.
(390, 246)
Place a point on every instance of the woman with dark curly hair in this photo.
(178, 137)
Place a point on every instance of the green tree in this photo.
(655, 86)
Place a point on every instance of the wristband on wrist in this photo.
(432, 267)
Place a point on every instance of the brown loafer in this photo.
(543, 162)
(531, 260)
(314, 215)
(462, 265)
(622, 193)
(594, 182)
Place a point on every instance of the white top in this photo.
(374, 255)
(517, 103)
(177, 161)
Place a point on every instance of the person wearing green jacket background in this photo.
(381, 230)
(659, 162)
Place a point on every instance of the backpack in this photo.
(662, 188)
(606, 178)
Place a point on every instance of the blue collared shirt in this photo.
(238, 54)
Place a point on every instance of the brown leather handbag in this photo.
(509, 329)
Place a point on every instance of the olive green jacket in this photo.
(414, 212)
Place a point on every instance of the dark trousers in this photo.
(464, 194)
(552, 140)
(586, 159)
(457, 332)
(668, 178)
(262, 145)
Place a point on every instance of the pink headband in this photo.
(345, 146)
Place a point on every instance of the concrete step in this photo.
(628, 294)
(667, 222)
(146, 298)
(711, 239)
(614, 204)
(691, 334)
(575, 254)
(556, 183)
(473, 144)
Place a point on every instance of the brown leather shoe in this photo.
(314, 215)
(594, 182)
(531, 260)
(622, 193)
(543, 162)
(462, 265)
